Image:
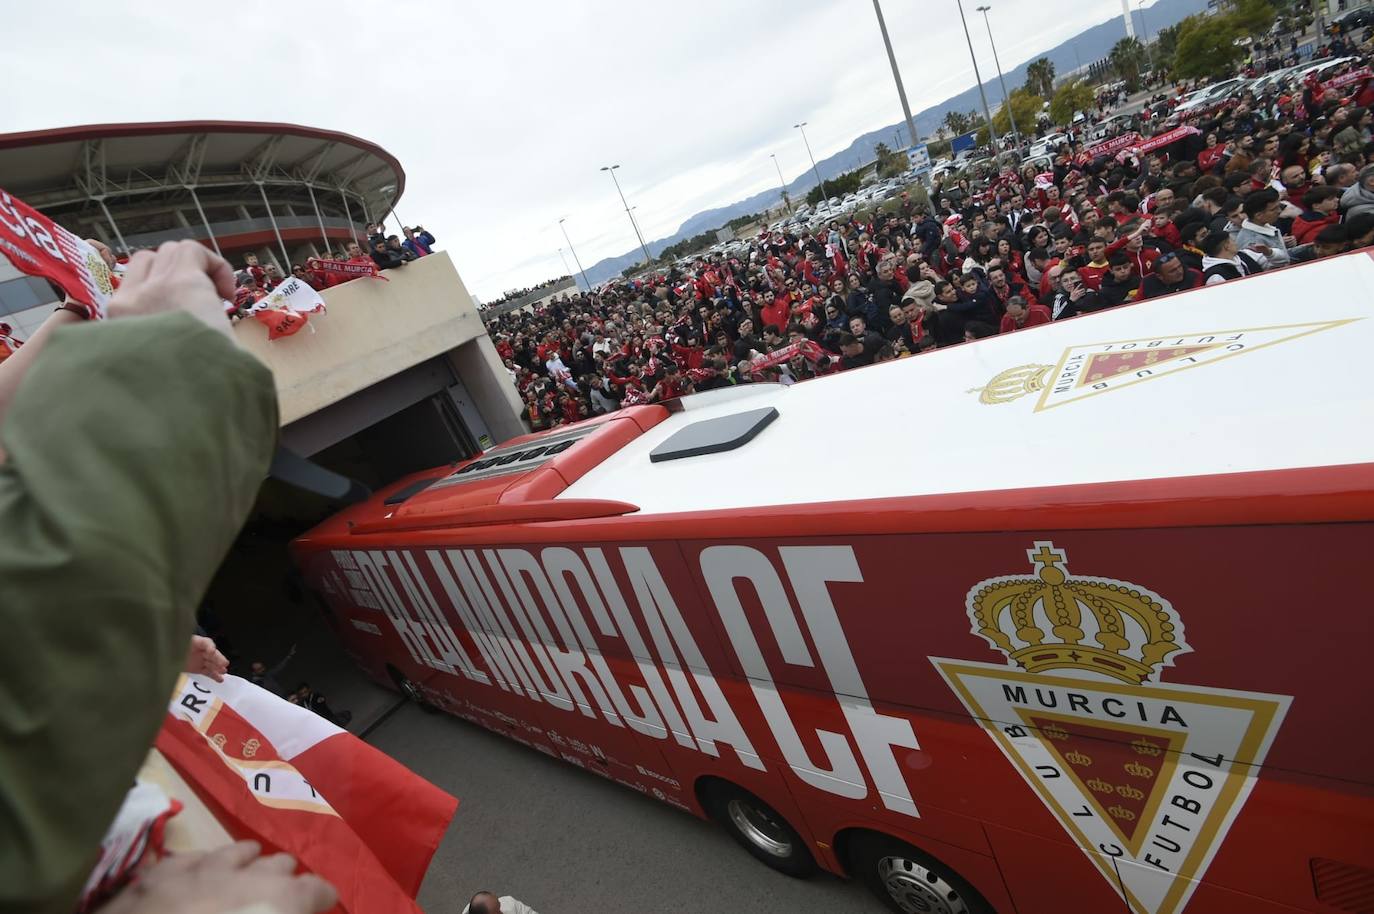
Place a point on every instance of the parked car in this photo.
(1210, 95)
(1110, 127)
(1048, 144)
(1352, 21)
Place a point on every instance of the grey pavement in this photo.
(566, 841)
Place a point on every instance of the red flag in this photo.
(280, 322)
(804, 348)
(40, 247)
(284, 776)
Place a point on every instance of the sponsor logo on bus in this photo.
(1146, 777)
(1097, 368)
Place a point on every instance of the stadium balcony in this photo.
(386, 345)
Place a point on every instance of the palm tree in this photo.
(958, 122)
(1040, 77)
(1127, 60)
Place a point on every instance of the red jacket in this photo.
(1035, 314)
(1092, 275)
(1308, 224)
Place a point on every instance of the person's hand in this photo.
(1264, 249)
(181, 276)
(222, 881)
(205, 659)
(1289, 241)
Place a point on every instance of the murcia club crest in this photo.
(1097, 368)
(1146, 777)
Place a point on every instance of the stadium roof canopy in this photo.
(137, 184)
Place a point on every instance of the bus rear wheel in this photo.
(759, 829)
(909, 880)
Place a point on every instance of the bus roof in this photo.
(1264, 373)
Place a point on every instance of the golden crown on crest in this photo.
(1013, 384)
(1136, 629)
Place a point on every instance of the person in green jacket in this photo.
(131, 451)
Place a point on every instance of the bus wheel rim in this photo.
(760, 828)
(917, 889)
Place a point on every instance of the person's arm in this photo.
(14, 368)
(134, 450)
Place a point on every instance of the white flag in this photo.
(292, 295)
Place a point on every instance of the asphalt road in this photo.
(566, 841)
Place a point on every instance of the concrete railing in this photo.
(374, 329)
(531, 298)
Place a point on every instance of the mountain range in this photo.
(1084, 48)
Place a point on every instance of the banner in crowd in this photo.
(1164, 139)
(343, 270)
(292, 294)
(280, 322)
(807, 349)
(1346, 79)
(40, 247)
(286, 777)
(286, 309)
(1108, 147)
(1159, 141)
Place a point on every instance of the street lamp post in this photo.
(574, 253)
(897, 76)
(992, 134)
(564, 258)
(1006, 99)
(1145, 31)
(648, 259)
(781, 181)
(825, 194)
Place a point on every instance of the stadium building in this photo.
(399, 374)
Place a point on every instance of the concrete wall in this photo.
(479, 365)
(376, 329)
(533, 299)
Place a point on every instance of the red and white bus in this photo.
(1076, 619)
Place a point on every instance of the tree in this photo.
(1070, 98)
(890, 163)
(1207, 47)
(1252, 17)
(1025, 107)
(1166, 45)
(1127, 60)
(960, 123)
(1040, 77)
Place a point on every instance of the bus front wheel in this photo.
(412, 692)
(909, 880)
(759, 828)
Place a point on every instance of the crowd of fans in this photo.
(254, 281)
(1257, 183)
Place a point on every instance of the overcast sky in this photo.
(502, 113)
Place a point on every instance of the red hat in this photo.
(1285, 100)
